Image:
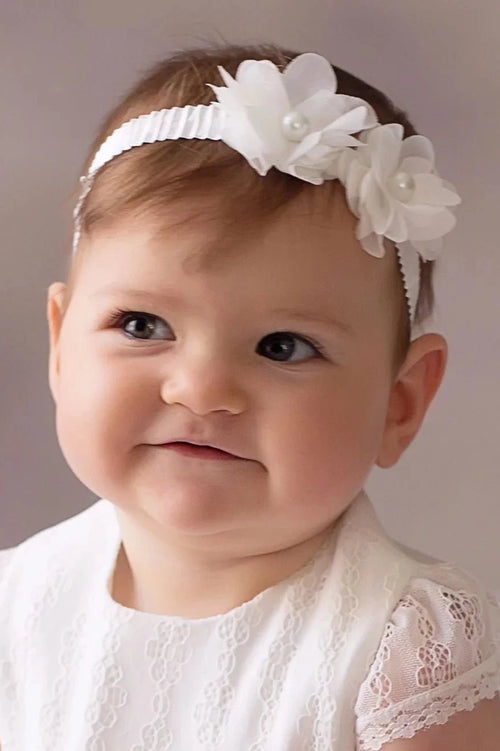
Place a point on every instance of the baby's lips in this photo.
(208, 443)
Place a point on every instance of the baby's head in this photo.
(222, 265)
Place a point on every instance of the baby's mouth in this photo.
(197, 452)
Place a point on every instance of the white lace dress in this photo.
(367, 643)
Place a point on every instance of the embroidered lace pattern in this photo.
(435, 659)
(344, 606)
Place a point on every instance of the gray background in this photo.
(64, 64)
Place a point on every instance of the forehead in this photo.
(306, 251)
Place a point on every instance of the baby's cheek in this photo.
(84, 428)
(305, 467)
(329, 454)
(77, 440)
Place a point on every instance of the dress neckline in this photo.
(113, 546)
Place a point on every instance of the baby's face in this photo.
(280, 353)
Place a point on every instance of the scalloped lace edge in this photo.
(435, 711)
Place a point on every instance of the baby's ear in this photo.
(413, 390)
(55, 312)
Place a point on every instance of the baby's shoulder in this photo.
(445, 616)
(29, 567)
(439, 654)
(447, 595)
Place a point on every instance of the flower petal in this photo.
(261, 83)
(356, 173)
(439, 226)
(368, 183)
(420, 214)
(418, 146)
(337, 139)
(395, 129)
(449, 186)
(321, 109)
(238, 133)
(429, 190)
(356, 116)
(415, 165)
(309, 174)
(336, 111)
(260, 163)
(380, 208)
(365, 226)
(232, 90)
(374, 245)
(397, 231)
(345, 160)
(385, 149)
(228, 98)
(259, 94)
(306, 145)
(305, 75)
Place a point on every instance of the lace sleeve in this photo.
(440, 654)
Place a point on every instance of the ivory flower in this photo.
(294, 120)
(391, 185)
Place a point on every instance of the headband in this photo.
(296, 122)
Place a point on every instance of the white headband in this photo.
(294, 121)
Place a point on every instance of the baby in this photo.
(232, 589)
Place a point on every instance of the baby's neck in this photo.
(194, 594)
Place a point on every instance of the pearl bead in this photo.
(402, 186)
(295, 126)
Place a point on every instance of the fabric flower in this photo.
(292, 120)
(391, 186)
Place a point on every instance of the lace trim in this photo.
(434, 707)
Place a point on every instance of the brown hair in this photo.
(140, 182)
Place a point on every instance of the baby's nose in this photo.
(204, 384)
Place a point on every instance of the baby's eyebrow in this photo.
(114, 289)
(110, 290)
(158, 298)
(315, 317)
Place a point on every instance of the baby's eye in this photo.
(127, 319)
(282, 344)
